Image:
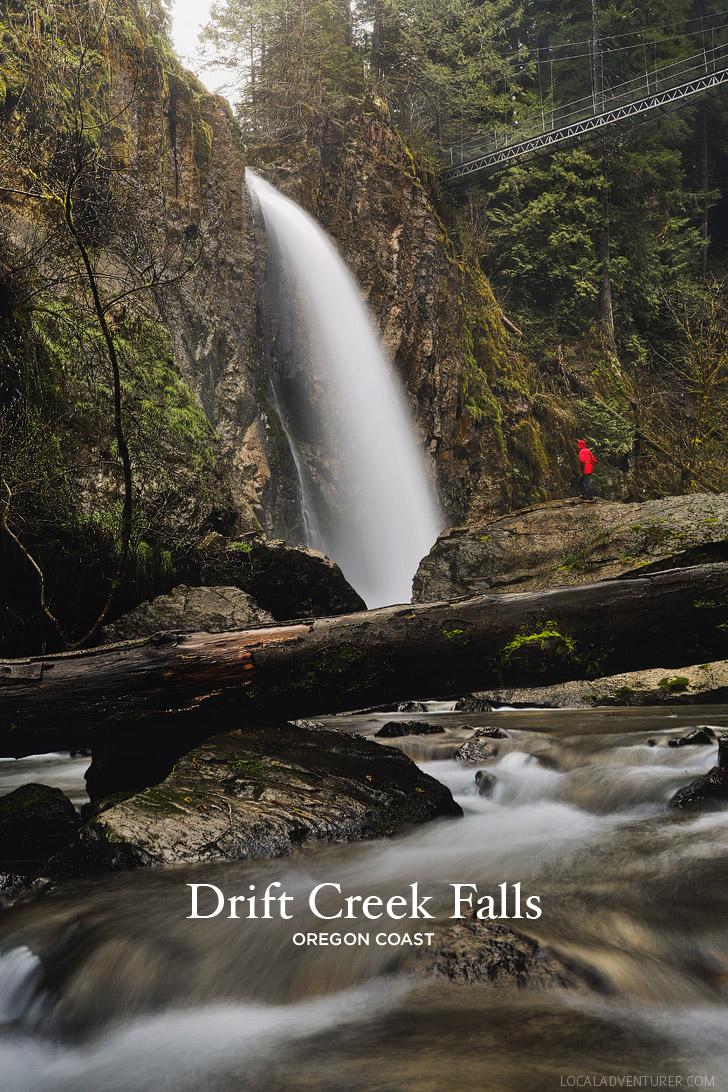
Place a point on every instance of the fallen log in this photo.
(193, 683)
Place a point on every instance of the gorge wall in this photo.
(181, 256)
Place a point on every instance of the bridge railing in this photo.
(639, 88)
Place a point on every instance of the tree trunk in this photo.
(704, 183)
(606, 312)
(190, 684)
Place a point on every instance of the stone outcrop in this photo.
(187, 610)
(701, 684)
(288, 581)
(264, 793)
(567, 542)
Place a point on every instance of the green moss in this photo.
(459, 636)
(534, 650)
(245, 767)
(675, 684)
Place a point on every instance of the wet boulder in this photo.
(411, 707)
(698, 737)
(474, 751)
(709, 790)
(485, 782)
(263, 793)
(489, 731)
(393, 729)
(35, 822)
(476, 952)
(723, 751)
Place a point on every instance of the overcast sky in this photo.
(189, 16)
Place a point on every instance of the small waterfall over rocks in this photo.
(366, 498)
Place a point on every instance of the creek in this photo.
(105, 983)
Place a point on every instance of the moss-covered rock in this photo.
(263, 793)
(565, 542)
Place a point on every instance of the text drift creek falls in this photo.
(109, 984)
(366, 498)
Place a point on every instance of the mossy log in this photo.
(190, 685)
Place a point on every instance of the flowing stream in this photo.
(107, 985)
(366, 498)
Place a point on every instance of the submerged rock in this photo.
(476, 750)
(709, 790)
(485, 782)
(262, 793)
(394, 728)
(488, 953)
(698, 737)
(189, 610)
(35, 822)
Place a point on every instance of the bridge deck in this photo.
(634, 99)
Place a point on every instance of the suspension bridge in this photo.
(653, 90)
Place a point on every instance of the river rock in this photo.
(35, 822)
(487, 953)
(566, 542)
(701, 684)
(476, 750)
(262, 793)
(189, 610)
(698, 737)
(723, 751)
(710, 789)
(394, 728)
(485, 782)
(288, 581)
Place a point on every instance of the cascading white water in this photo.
(373, 509)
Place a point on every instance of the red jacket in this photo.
(586, 459)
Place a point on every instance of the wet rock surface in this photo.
(35, 822)
(487, 953)
(710, 790)
(565, 542)
(476, 750)
(264, 793)
(700, 737)
(394, 728)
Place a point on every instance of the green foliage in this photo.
(542, 221)
(285, 61)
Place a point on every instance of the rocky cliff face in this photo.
(438, 320)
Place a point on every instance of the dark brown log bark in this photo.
(200, 683)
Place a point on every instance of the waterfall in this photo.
(366, 498)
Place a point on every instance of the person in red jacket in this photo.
(587, 462)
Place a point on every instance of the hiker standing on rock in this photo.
(587, 462)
